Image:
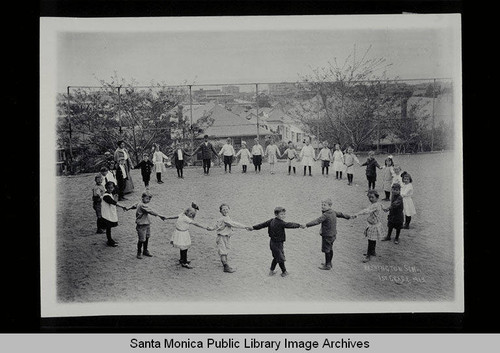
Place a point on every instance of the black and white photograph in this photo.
(251, 165)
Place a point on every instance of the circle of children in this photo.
(396, 185)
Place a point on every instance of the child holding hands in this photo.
(143, 223)
(181, 238)
(224, 227)
(373, 230)
(328, 230)
(109, 217)
(396, 216)
(276, 230)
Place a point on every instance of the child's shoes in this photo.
(272, 273)
(228, 269)
(139, 256)
(146, 253)
(185, 265)
(325, 267)
(366, 259)
(386, 239)
(284, 274)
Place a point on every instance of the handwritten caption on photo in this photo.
(397, 273)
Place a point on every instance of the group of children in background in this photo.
(397, 187)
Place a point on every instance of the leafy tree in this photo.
(98, 118)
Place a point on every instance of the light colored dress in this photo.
(349, 159)
(159, 159)
(181, 238)
(373, 222)
(408, 205)
(307, 155)
(338, 161)
(244, 155)
(272, 152)
(387, 174)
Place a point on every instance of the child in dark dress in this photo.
(371, 171)
(396, 216)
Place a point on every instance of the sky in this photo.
(249, 54)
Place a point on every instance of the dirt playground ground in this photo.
(420, 268)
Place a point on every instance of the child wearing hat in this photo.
(143, 223)
(245, 156)
(276, 230)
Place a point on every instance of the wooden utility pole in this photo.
(257, 105)
(70, 130)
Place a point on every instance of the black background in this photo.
(20, 267)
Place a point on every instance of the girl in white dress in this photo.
(387, 174)
(159, 159)
(244, 155)
(338, 162)
(307, 157)
(272, 153)
(181, 238)
(407, 193)
(349, 159)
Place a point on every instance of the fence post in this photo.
(433, 105)
(191, 121)
(257, 107)
(119, 110)
(70, 132)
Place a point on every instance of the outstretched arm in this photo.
(200, 225)
(342, 215)
(235, 224)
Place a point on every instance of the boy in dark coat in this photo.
(145, 166)
(206, 149)
(328, 231)
(276, 230)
